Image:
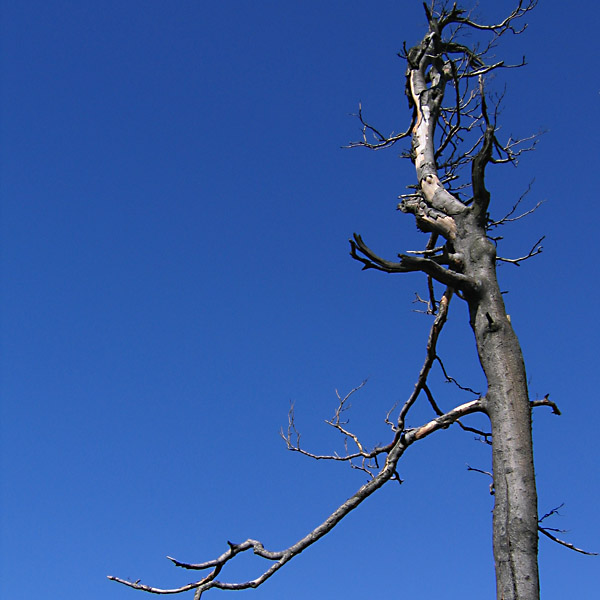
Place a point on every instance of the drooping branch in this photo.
(281, 557)
(546, 532)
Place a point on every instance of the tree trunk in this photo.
(515, 522)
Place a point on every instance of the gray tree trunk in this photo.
(515, 520)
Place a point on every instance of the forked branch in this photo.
(367, 458)
(380, 141)
(546, 530)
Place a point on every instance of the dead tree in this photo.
(454, 138)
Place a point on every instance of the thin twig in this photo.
(536, 249)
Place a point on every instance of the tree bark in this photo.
(515, 520)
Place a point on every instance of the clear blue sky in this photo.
(175, 271)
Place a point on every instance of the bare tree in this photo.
(455, 137)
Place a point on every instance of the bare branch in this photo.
(486, 436)
(444, 421)
(410, 264)
(136, 585)
(546, 531)
(388, 415)
(545, 401)
(568, 545)
(430, 310)
(452, 380)
(387, 473)
(432, 252)
(522, 215)
(469, 468)
(431, 353)
(508, 217)
(510, 152)
(537, 248)
(492, 490)
(369, 457)
(551, 512)
(499, 28)
(381, 141)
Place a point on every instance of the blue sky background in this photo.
(175, 271)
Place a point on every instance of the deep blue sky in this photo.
(175, 216)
